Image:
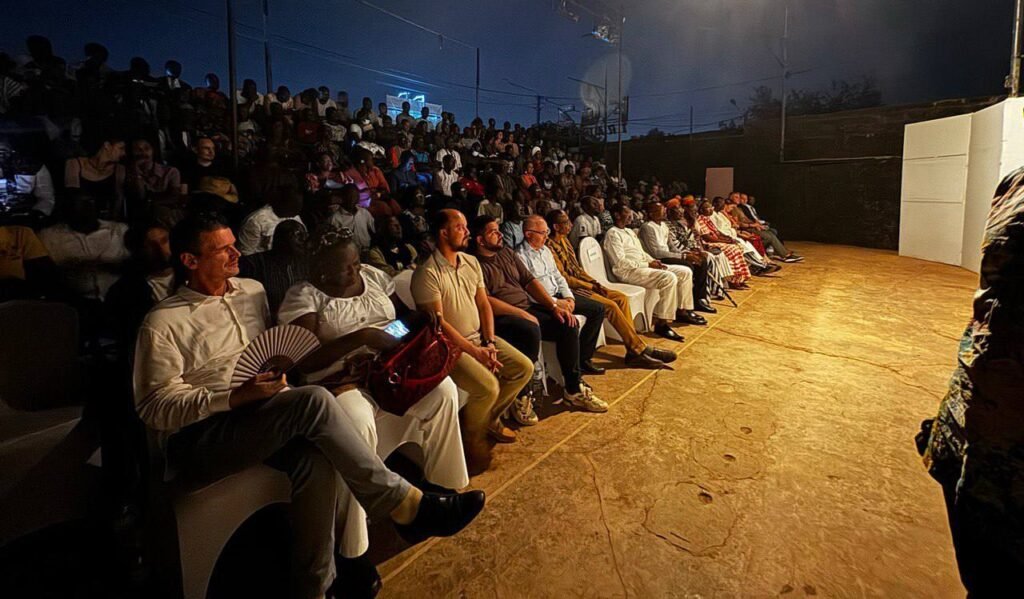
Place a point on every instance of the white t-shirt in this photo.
(340, 316)
(87, 259)
(257, 231)
(360, 223)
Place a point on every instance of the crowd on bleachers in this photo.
(120, 196)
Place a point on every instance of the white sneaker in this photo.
(586, 399)
(522, 410)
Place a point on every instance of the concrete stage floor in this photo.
(776, 459)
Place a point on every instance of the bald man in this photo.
(541, 263)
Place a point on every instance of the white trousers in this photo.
(432, 425)
(674, 286)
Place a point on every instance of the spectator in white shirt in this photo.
(445, 176)
(324, 101)
(184, 359)
(657, 240)
(405, 115)
(631, 264)
(347, 306)
(449, 150)
(425, 119)
(354, 217)
(89, 251)
(587, 224)
(256, 234)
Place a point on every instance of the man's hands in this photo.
(262, 386)
(563, 315)
(488, 356)
(656, 264)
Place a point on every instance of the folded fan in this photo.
(278, 348)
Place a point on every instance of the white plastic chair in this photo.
(641, 301)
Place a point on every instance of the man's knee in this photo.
(665, 279)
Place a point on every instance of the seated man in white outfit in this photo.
(631, 264)
(347, 306)
(257, 231)
(185, 355)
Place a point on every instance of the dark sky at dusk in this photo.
(919, 50)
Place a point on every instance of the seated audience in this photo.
(753, 250)
(256, 234)
(202, 163)
(148, 183)
(615, 303)
(747, 221)
(391, 254)
(148, 279)
(88, 250)
(100, 176)
(185, 355)
(525, 313)
(281, 266)
(325, 175)
(631, 264)
(445, 176)
(355, 218)
(347, 306)
(682, 235)
(26, 269)
(657, 240)
(699, 219)
(588, 224)
(450, 283)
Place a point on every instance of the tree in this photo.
(842, 95)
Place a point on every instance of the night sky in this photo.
(918, 50)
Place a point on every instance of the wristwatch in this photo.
(487, 342)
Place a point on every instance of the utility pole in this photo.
(785, 75)
(478, 82)
(539, 100)
(266, 47)
(232, 101)
(1018, 17)
(622, 26)
(605, 106)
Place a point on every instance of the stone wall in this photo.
(840, 182)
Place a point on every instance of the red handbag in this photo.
(400, 377)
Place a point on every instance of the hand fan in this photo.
(277, 348)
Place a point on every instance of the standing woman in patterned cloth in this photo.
(975, 446)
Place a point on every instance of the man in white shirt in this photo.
(404, 115)
(538, 259)
(444, 178)
(631, 264)
(354, 217)
(657, 241)
(425, 119)
(449, 150)
(587, 224)
(184, 359)
(89, 251)
(324, 101)
(256, 234)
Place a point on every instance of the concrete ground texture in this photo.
(775, 459)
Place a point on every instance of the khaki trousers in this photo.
(490, 393)
(618, 313)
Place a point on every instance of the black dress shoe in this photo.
(643, 360)
(666, 331)
(689, 317)
(442, 516)
(357, 578)
(662, 355)
(705, 306)
(588, 367)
